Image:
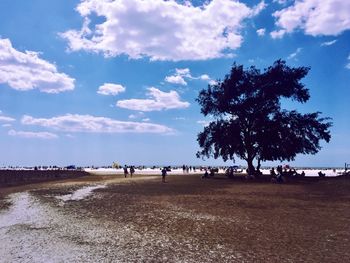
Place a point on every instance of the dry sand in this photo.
(184, 220)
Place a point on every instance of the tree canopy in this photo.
(248, 119)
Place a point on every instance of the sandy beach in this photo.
(109, 218)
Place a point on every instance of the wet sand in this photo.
(184, 220)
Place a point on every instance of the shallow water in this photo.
(80, 194)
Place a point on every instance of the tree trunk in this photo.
(251, 169)
(258, 172)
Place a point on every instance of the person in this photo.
(279, 169)
(272, 172)
(164, 173)
(132, 171)
(320, 174)
(205, 175)
(125, 171)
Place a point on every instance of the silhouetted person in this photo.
(279, 169)
(320, 174)
(132, 171)
(272, 172)
(205, 175)
(164, 173)
(125, 171)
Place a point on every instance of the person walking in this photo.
(132, 171)
(164, 173)
(125, 171)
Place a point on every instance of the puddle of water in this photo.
(80, 194)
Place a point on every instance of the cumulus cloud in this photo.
(294, 54)
(181, 75)
(35, 135)
(176, 79)
(314, 17)
(158, 101)
(92, 124)
(205, 77)
(328, 43)
(160, 29)
(110, 89)
(27, 71)
(6, 119)
(277, 33)
(261, 32)
(136, 115)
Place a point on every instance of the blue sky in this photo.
(94, 81)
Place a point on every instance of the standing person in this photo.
(164, 173)
(132, 171)
(125, 171)
(205, 175)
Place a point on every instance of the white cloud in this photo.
(92, 124)
(281, 2)
(205, 77)
(179, 118)
(161, 30)
(6, 125)
(176, 79)
(185, 73)
(110, 89)
(328, 43)
(261, 32)
(35, 135)
(348, 64)
(158, 101)
(203, 123)
(26, 71)
(278, 33)
(137, 115)
(146, 119)
(6, 119)
(259, 7)
(314, 17)
(295, 54)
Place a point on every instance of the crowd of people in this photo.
(278, 175)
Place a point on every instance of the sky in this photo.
(92, 82)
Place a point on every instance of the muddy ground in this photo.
(186, 219)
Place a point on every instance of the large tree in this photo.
(248, 119)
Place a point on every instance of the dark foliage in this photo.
(250, 123)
